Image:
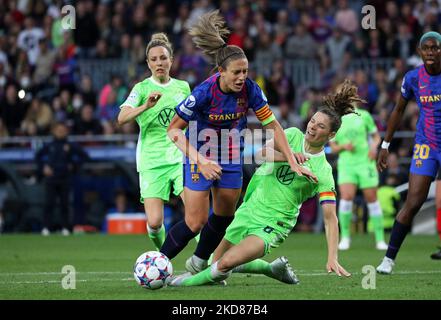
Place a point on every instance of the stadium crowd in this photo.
(41, 82)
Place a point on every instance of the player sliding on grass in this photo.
(273, 198)
(423, 84)
(217, 105)
(158, 161)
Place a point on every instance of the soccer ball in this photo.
(152, 270)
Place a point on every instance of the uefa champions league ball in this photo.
(152, 270)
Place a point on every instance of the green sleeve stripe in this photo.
(268, 120)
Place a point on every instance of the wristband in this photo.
(385, 145)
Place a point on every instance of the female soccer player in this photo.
(424, 84)
(159, 163)
(356, 168)
(215, 114)
(273, 198)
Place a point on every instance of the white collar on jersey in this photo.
(161, 84)
(310, 154)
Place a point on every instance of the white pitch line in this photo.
(179, 272)
(7, 274)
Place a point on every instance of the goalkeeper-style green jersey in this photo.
(154, 148)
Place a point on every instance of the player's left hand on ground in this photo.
(153, 98)
(334, 266)
(301, 171)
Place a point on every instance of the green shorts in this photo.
(157, 183)
(246, 224)
(364, 175)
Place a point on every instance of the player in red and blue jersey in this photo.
(424, 85)
(214, 158)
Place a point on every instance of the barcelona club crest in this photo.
(418, 163)
(195, 177)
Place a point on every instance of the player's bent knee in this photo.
(155, 225)
(226, 264)
(195, 225)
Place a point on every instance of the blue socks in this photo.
(211, 235)
(399, 232)
(177, 238)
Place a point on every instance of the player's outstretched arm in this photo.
(281, 144)
(331, 229)
(392, 125)
(268, 153)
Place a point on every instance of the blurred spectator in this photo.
(259, 25)
(121, 203)
(87, 123)
(44, 66)
(320, 25)
(345, 18)
(199, 8)
(65, 69)
(3, 129)
(28, 40)
(118, 29)
(12, 110)
(180, 24)
(102, 50)
(267, 51)
(137, 54)
(39, 114)
(57, 161)
(190, 64)
(279, 87)
(287, 118)
(86, 33)
(404, 44)
(109, 111)
(116, 86)
(309, 105)
(86, 90)
(139, 23)
(357, 48)
(238, 33)
(282, 28)
(301, 45)
(337, 48)
(376, 47)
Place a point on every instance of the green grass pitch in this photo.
(31, 268)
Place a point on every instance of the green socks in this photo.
(157, 236)
(345, 224)
(258, 266)
(209, 275)
(377, 222)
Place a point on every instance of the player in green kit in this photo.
(159, 163)
(356, 144)
(273, 198)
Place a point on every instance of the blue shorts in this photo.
(425, 160)
(231, 178)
